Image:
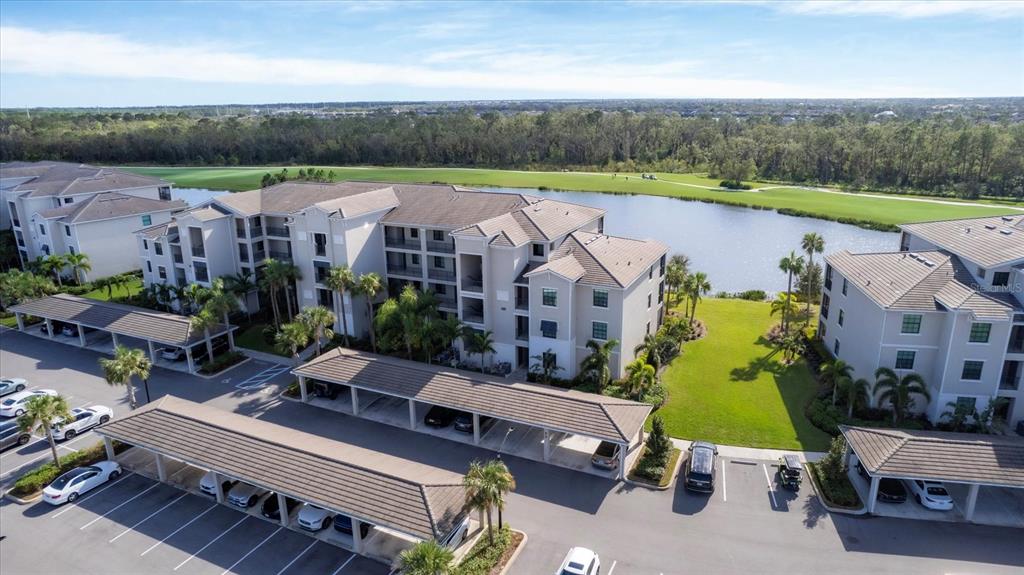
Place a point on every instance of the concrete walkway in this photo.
(754, 453)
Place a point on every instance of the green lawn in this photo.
(878, 210)
(731, 388)
(132, 288)
(252, 338)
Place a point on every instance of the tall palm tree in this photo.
(649, 347)
(481, 342)
(79, 263)
(342, 279)
(699, 286)
(545, 366)
(898, 391)
(834, 371)
(240, 286)
(675, 274)
(444, 332)
(126, 363)
(640, 377)
(275, 277)
(292, 338)
(486, 485)
(427, 558)
(855, 392)
(318, 319)
(791, 264)
(812, 243)
(41, 412)
(292, 274)
(597, 365)
(369, 285)
(784, 306)
(204, 320)
(192, 297)
(221, 302)
(54, 264)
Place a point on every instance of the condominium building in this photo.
(948, 306)
(60, 208)
(539, 273)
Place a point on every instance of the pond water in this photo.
(739, 248)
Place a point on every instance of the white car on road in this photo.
(580, 561)
(931, 494)
(74, 483)
(82, 419)
(12, 385)
(313, 518)
(14, 405)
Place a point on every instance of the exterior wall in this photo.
(218, 241)
(585, 314)
(564, 345)
(860, 335)
(504, 265)
(104, 243)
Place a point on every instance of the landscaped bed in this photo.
(486, 558)
(642, 474)
(839, 493)
(33, 482)
(222, 362)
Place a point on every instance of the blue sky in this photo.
(151, 53)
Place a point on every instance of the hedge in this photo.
(222, 362)
(34, 481)
(486, 558)
(839, 493)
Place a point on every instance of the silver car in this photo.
(82, 419)
(12, 385)
(245, 495)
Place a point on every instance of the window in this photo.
(164, 192)
(147, 220)
(600, 298)
(835, 348)
(648, 330)
(46, 249)
(549, 297)
(322, 270)
(415, 259)
(161, 272)
(548, 328)
(828, 276)
(69, 201)
(905, 359)
(966, 404)
(67, 230)
(841, 316)
(438, 236)
(980, 332)
(648, 301)
(844, 286)
(1000, 279)
(650, 273)
(599, 330)
(661, 292)
(320, 244)
(911, 323)
(824, 305)
(145, 245)
(158, 248)
(972, 370)
(42, 230)
(414, 233)
(662, 264)
(325, 297)
(149, 266)
(71, 249)
(538, 250)
(981, 273)
(439, 262)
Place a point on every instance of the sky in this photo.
(181, 53)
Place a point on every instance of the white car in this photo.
(14, 405)
(580, 561)
(82, 419)
(12, 385)
(74, 483)
(172, 353)
(313, 518)
(931, 494)
(208, 484)
(245, 495)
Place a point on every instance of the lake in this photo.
(739, 248)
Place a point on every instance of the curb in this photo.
(515, 554)
(21, 501)
(223, 371)
(863, 510)
(651, 486)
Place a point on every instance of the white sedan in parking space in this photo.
(245, 495)
(74, 483)
(313, 518)
(14, 405)
(931, 494)
(82, 419)
(580, 561)
(10, 385)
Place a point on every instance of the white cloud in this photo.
(907, 9)
(534, 72)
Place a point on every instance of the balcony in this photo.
(1010, 383)
(445, 301)
(240, 232)
(410, 271)
(440, 274)
(277, 231)
(177, 257)
(256, 232)
(402, 244)
(281, 256)
(259, 256)
(198, 252)
(470, 315)
(473, 284)
(441, 247)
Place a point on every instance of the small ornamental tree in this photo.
(658, 443)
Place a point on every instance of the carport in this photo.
(380, 490)
(552, 410)
(965, 460)
(123, 323)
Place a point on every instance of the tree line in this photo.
(950, 156)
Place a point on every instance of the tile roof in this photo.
(159, 230)
(449, 207)
(384, 490)
(989, 241)
(566, 266)
(65, 179)
(109, 205)
(121, 319)
(607, 260)
(360, 204)
(939, 455)
(290, 197)
(597, 416)
(921, 281)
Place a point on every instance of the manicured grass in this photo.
(252, 338)
(731, 388)
(9, 321)
(132, 288)
(877, 210)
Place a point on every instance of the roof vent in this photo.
(1007, 219)
(989, 227)
(1005, 232)
(929, 263)
(913, 255)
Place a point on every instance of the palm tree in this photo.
(675, 274)
(318, 319)
(481, 342)
(369, 286)
(447, 330)
(342, 279)
(791, 264)
(240, 286)
(221, 302)
(640, 377)
(855, 391)
(191, 297)
(897, 391)
(275, 277)
(597, 364)
(54, 264)
(427, 558)
(545, 366)
(127, 363)
(783, 305)
(292, 338)
(699, 286)
(79, 263)
(832, 372)
(649, 347)
(204, 320)
(791, 345)
(812, 243)
(41, 412)
(292, 274)
(486, 485)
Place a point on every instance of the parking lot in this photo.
(138, 525)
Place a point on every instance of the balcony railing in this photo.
(445, 302)
(439, 274)
(415, 271)
(259, 256)
(523, 305)
(240, 232)
(472, 284)
(256, 232)
(282, 256)
(198, 252)
(441, 247)
(1010, 383)
(277, 231)
(472, 316)
(1015, 346)
(178, 258)
(402, 243)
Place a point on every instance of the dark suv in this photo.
(700, 467)
(440, 416)
(889, 490)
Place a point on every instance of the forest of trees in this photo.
(939, 155)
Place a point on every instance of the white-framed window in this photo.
(600, 298)
(905, 359)
(835, 348)
(972, 370)
(599, 330)
(549, 297)
(841, 317)
(548, 328)
(911, 324)
(980, 332)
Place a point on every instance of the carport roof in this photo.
(118, 318)
(592, 415)
(939, 455)
(422, 501)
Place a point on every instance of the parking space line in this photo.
(260, 379)
(251, 551)
(73, 505)
(612, 570)
(150, 488)
(228, 530)
(768, 479)
(148, 517)
(345, 564)
(285, 568)
(724, 487)
(175, 532)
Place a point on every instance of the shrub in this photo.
(485, 558)
(293, 390)
(221, 362)
(35, 480)
(656, 396)
(733, 185)
(658, 444)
